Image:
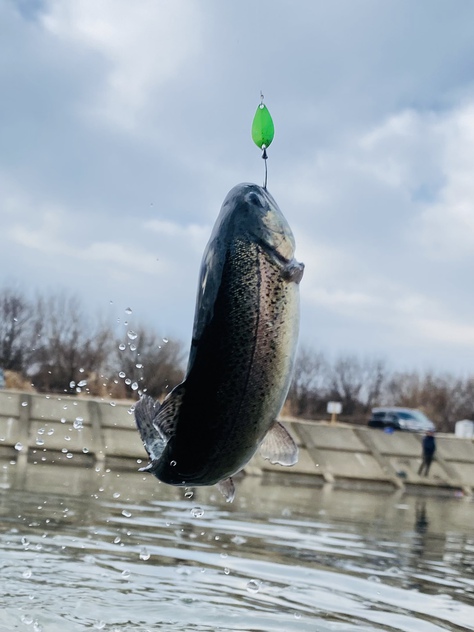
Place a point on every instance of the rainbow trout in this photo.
(242, 353)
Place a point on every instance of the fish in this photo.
(242, 353)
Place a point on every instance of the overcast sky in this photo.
(123, 125)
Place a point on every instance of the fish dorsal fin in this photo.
(227, 489)
(146, 411)
(167, 417)
(278, 446)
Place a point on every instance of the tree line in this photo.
(361, 384)
(52, 344)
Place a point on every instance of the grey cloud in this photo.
(335, 76)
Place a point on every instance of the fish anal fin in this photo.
(227, 489)
(278, 446)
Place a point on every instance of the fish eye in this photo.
(255, 199)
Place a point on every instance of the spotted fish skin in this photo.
(242, 352)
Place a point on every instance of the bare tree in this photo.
(68, 346)
(403, 389)
(347, 381)
(147, 362)
(308, 391)
(15, 316)
(374, 377)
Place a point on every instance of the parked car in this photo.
(401, 419)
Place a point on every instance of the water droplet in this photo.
(173, 463)
(226, 571)
(19, 446)
(133, 347)
(85, 450)
(128, 381)
(50, 431)
(125, 574)
(134, 386)
(144, 555)
(27, 574)
(165, 340)
(139, 366)
(78, 423)
(122, 374)
(37, 627)
(67, 438)
(81, 370)
(25, 541)
(82, 383)
(197, 512)
(116, 540)
(69, 455)
(39, 441)
(116, 495)
(374, 578)
(188, 493)
(113, 404)
(253, 586)
(63, 420)
(40, 431)
(132, 334)
(128, 310)
(24, 404)
(126, 513)
(26, 618)
(99, 625)
(238, 539)
(72, 384)
(122, 346)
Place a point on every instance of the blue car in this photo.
(401, 419)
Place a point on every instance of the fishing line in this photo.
(265, 158)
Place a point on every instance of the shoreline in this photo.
(63, 430)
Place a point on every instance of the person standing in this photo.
(429, 449)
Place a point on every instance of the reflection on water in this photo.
(117, 551)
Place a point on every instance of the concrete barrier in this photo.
(65, 429)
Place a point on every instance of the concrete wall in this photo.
(62, 429)
(51, 427)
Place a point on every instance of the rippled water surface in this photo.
(117, 551)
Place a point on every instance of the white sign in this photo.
(334, 408)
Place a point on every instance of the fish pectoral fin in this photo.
(227, 489)
(278, 446)
(146, 411)
(293, 271)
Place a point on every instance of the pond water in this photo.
(117, 551)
